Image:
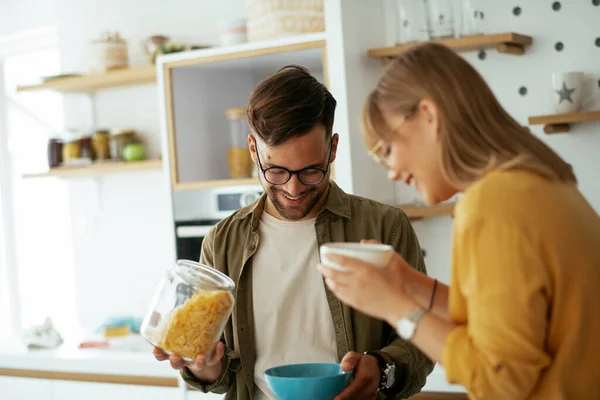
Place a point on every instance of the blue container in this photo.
(307, 381)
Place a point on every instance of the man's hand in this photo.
(367, 376)
(206, 370)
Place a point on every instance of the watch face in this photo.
(391, 378)
(406, 328)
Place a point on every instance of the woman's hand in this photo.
(375, 291)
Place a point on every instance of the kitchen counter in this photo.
(436, 382)
(94, 365)
(117, 366)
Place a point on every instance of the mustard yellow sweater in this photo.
(525, 290)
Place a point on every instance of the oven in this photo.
(196, 212)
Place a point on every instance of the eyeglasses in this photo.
(381, 153)
(308, 176)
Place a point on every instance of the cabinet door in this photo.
(65, 390)
(25, 389)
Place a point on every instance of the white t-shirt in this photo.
(293, 323)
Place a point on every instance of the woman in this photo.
(521, 317)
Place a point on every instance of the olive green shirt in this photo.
(229, 247)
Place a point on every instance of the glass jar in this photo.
(55, 146)
(71, 150)
(441, 18)
(119, 139)
(85, 148)
(191, 306)
(238, 155)
(101, 145)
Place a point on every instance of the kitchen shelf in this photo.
(560, 123)
(508, 43)
(418, 211)
(93, 82)
(213, 184)
(103, 168)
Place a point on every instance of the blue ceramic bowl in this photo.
(307, 381)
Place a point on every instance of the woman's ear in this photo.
(431, 113)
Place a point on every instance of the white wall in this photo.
(121, 223)
(17, 16)
(576, 25)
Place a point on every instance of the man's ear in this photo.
(252, 147)
(334, 145)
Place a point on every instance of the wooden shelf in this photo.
(508, 43)
(92, 82)
(103, 168)
(560, 123)
(213, 184)
(417, 211)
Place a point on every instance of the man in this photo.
(284, 314)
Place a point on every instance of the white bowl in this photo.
(379, 255)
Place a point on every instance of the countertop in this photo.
(87, 365)
(108, 362)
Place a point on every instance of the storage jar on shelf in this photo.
(238, 155)
(190, 309)
(119, 138)
(101, 145)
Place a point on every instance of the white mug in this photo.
(379, 255)
(567, 88)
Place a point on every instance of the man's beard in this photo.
(294, 213)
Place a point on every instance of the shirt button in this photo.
(334, 219)
(252, 246)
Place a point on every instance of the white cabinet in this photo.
(25, 389)
(197, 89)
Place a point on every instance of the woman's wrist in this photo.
(420, 287)
(403, 306)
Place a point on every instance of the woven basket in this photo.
(270, 19)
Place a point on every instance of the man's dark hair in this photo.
(289, 103)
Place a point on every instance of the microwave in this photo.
(196, 213)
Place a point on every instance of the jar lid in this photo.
(235, 113)
(122, 131)
(203, 276)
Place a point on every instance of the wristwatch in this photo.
(407, 326)
(388, 371)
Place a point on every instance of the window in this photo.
(38, 274)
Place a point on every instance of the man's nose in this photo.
(294, 187)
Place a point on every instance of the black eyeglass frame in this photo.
(297, 172)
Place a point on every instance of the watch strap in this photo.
(383, 366)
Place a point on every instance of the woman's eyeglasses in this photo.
(381, 153)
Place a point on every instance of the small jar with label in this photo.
(55, 148)
(101, 145)
(190, 309)
(71, 150)
(86, 151)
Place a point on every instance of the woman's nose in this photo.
(393, 175)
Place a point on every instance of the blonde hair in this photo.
(477, 134)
